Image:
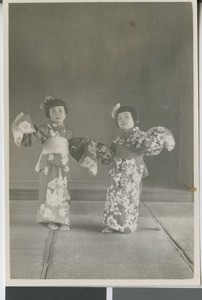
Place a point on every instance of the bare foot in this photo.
(64, 228)
(53, 226)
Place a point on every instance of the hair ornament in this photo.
(47, 99)
(114, 110)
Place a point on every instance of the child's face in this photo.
(57, 114)
(125, 120)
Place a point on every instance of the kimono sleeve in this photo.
(24, 131)
(31, 138)
(105, 153)
(92, 152)
(77, 147)
(155, 140)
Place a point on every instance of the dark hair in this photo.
(133, 111)
(52, 103)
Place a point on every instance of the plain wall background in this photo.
(94, 55)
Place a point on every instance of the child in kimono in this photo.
(127, 168)
(53, 164)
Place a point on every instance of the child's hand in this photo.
(26, 127)
(85, 139)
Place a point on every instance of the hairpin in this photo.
(47, 99)
(114, 110)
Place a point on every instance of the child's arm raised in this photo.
(154, 140)
(24, 131)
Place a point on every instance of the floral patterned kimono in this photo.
(127, 168)
(53, 169)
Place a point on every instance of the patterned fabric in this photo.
(94, 151)
(148, 143)
(140, 143)
(54, 189)
(154, 140)
(54, 170)
(122, 200)
(17, 125)
(127, 168)
(89, 160)
(76, 148)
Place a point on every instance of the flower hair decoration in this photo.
(114, 110)
(47, 99)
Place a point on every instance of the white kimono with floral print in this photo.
(54, 173)
(53, 167)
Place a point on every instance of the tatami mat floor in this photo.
(162, 248)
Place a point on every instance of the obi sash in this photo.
(125, 153)
(54, 145)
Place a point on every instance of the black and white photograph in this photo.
(101, 139)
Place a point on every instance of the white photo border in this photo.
(104, 283)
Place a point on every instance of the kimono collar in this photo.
(129, 137)
(128, 132)
(56, 126)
